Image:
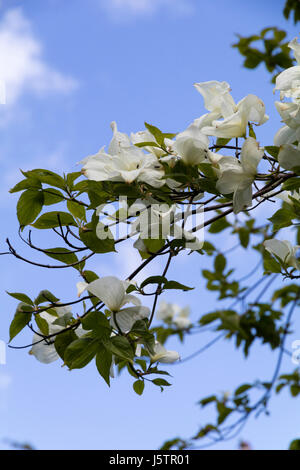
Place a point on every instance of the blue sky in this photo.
(71, 67)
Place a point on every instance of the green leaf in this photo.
(219, 225)
(54, 219)
(282, 218)
(103, 363)
(176, 285)
(220, 263)
(28, 183)
(65, 256)
(291, 184)
(98, 323)
(147, 144)
(153, 280)
(272, 150)
(52, 196)
(29, 206)
(20, 320)
(81, 351)
(71, 177)
(221, 142)
(161, 382)
(42, 324)
(244, 236)
(90, 239)
(120, 346)
(295, 445)
(45, 296)
(242, 389)
(207, 400)
(270, 264)
(157, 134)
(77, 210)
(47, 177)
(21, 297)
(63, 340)
(138, 387)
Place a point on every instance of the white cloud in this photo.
(119, 8)
(22, 67)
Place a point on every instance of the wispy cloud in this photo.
(128, 8)
(22, 65)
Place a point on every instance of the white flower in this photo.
(290, 113)
(158, 221)
(182, 320)
(45, 351)
(288, 81)
(286, 196)
(249, 109)
(237, 177)
(192, 145)
(286, 135)
(161, 354)
(112, 292)
(167, 311)
(284, 250)
(174, 313)
(289, 156)
(217, 98)
(146, 136)
(123, 162)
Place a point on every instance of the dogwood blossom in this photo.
(287, 195)
(112, 292)
(217, 98)
(123, 162)
(289, 156)
(175, 314)
(146, 136)
(192, 145)
(161, 354)
(284, 250)
(237, 176)
(288, 83)
(158, 221)
(249, 109)
(45, 351)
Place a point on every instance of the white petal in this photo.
(251, 155)
(230, 180)
(45, 353)
(129, 298)
(253, 109)
(242, 198)
(282, 249)
(288, 82)
(232, 126)
(191, 150)
(81, 287)
(289, 157)
(119, 141)
(295, 46)
(110, 290)
(127, 317)
(286, 135)
(161, 354)
(216, 97)
(290, 113)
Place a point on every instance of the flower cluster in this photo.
(288, 137)
(160, 180)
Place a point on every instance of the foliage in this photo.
(150, 184)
